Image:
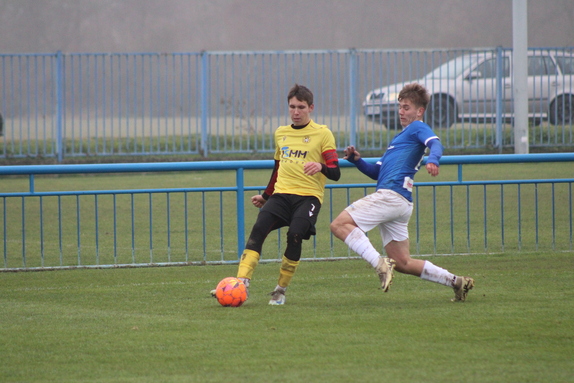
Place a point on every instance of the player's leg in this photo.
(302, 226)
(289, 262)
(461, 285)
(360, 217)
(345, 228)
(400, 253)
(395, 237)
(265, 223)
(426, 270)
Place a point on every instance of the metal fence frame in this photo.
(26, 203)
(201, 103)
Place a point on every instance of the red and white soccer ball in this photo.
(231, 292)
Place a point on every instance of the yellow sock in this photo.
(247, 264)
(286, 272)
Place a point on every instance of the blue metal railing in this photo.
(69, 105)
(60, 229)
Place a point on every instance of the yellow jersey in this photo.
(293, 148)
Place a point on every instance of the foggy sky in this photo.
(224, 25)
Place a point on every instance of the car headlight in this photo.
(393, 97)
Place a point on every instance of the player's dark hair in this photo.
(301, 93)
(416, 93)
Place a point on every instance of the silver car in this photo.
(465, 88)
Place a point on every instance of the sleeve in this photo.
(370, 170)
(331, 168)
(436, 150)
(271, 185)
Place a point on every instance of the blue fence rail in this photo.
(68, 105)
(131, 227)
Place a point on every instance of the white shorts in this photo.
(386, 209)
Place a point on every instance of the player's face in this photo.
(299, 111)
(408, 112)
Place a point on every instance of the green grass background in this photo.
(161, 325)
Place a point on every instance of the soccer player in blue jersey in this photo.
(391, 206)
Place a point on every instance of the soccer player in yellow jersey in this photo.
(305, 156)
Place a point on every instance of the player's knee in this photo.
(294, 238)
(339, 225)
(334, 226)
(293, 250)
(338, 230)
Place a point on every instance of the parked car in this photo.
(464, 88)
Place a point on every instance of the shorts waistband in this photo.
(394, 193)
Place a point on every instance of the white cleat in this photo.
(277, 298)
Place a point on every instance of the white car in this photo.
(465, 88)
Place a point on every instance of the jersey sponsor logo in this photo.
(296, 154)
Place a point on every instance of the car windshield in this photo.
(452, 69)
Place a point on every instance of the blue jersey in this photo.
(398, 166)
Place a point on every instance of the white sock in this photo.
(436, 274)
(360, 244)
(282, 289)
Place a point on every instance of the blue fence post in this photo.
(59, 106)
(353, 75)
(240, 181)
(204, 102)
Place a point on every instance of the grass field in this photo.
(161, 325)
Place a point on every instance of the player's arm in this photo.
(271, 185)
(331, 168)
(435, 154)
(354, 157)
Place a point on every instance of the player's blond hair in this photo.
(416, 93)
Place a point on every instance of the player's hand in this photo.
(258, 200)
(311, 168)
(432, 169)
(351, 154)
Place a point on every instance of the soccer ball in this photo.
(231, 292)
